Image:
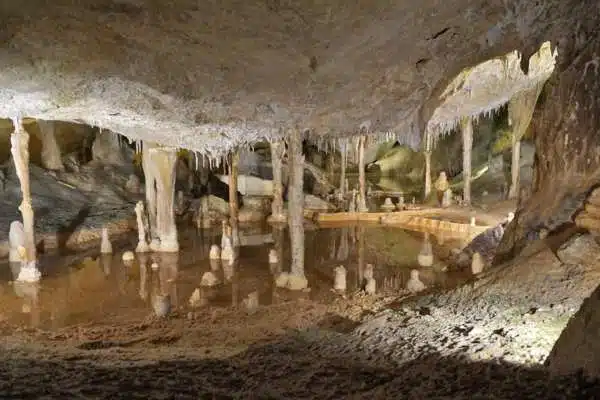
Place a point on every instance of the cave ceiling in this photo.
(209, 75)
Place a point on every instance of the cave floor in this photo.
(89, 331)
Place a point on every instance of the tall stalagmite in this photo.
(427, 154)
(20, 152)
(51, 157)
(362, 183)
(520, 111)
(277, 154)
(297, 279)
(466, 125)
(234, 207)
(161, 163)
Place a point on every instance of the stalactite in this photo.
(277, 154)
(467, 139)
(297, 279)
(234, 207)
(51, 157)
(20, 152)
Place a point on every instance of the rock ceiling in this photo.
(207, 75)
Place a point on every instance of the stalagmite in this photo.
(142, 246)
(215, 252)
(273, 257)
(520, 111)
(362, 196)
(277, 154)
(227, 249)
(16, 241)
(414, 284)
(161, 163)
(427, 154)
(339, 280)
(466, 124)
(105, 245)
(297, 280)
(388, 206)
(234, 207)
(51, 157)
(20, 153)
(371, 286)
(477, 264)
(161, 305)
(128, 256)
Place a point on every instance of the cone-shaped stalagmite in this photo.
(277, 153)
(520, 111)
(51, 157)
(20, 152)
(297, 280)
(466, 125)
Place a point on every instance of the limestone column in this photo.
(150, 180)
(343, 163)
(362, 196)
(234, 207)
(466, 125)
(162, 162)
(427, 154)
(520, 112)
(277, 153)
(297, 280)
(51, 158)
(20, 152)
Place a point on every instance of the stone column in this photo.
(51, 157)
(297, 280)
(520, 112)
(343, 163)
(20, 152)
(162, 162)
(427, 154)
(277, 154)
(466, 125)
(234, 207)
(150, 192)
(362, 183)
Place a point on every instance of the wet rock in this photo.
(579, 249)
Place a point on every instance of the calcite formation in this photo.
(105, 244)
(277, 154)
(339, 280)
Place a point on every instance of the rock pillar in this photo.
(162, 162)
(150, 180)
(20, 152)
(362, 183)
(297, 279)
(51, 157)
(234, 207)
(466, 125)
(277, 153)
(520, 111)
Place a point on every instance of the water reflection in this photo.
(104, 288)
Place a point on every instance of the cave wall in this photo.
(566, 128)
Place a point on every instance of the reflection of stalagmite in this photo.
(105, 245)
(209, 279)
(344, 161)
(16, 240)
(278, 238)
(227, 250)
(339, 280)
(251, 303)
(425, 257)
(520, 111)
(128, 256)
(228, 269)
(150, 188)
(467, 139)
(388, 206)
(297, 279)
(51, 158)
(215, 264)
(361, 237)
(370, 286)
(20, 152)
(143, 277)
(369, 272)
(277, 154)
(106, 263)
(414, 284)
(215, 252)
(142, 246)
(273, 258)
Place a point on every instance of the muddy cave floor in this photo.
(486, 338)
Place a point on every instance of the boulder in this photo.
(579, 249)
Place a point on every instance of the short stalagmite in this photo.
(339, 280)
(20, 152)
(215, 252)
(477, 264)
(297, 280)
(441, 186)
(51, 157)
(105, 244)
(277, 154)
(142, 246)
(388, 206)
(425, 257)
(414, 284)
(16, 241)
